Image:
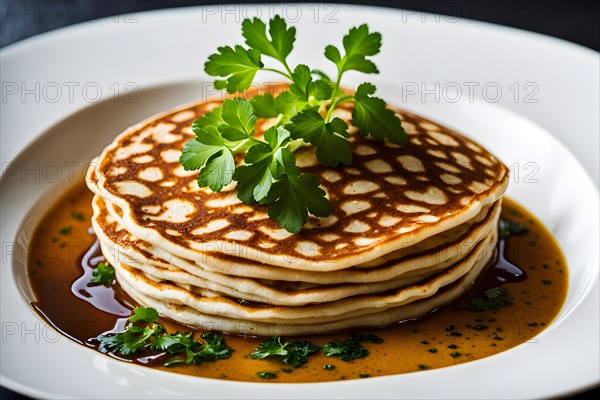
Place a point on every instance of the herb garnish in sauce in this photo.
(289, 353)
(152, 336)
(491, 299)
(509, 228)
(266, 375)
(103, 275)
(350, 349)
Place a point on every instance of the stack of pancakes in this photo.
(411, 229)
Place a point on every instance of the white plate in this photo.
(168, 47)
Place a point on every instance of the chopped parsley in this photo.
(350, 349)
(103, 275)
(145, 314)
(65, 230)
(289, 353)
(509, 228)
(303, 114)
(149, 335)
(491, 299)
(77, 215)
(266, 375)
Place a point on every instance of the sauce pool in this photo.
(64, 253)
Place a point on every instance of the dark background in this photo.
(575, 21)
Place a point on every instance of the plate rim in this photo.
(17, 386)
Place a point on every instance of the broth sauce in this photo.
(64, 252)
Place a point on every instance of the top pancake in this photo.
(389, 198)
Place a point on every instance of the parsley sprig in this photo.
(289, 353)
(304, 113)
(103, 275)
(152, 336)
(350, 349)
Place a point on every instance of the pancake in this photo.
(308, 314)
(411, 229)
(278, 289)
(189, 316)
(390, 198)
(428, 253)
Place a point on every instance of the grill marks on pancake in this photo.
(435, 173)
(411, 229)
(395, 270)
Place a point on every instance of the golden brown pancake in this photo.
(410, 230)
(390, 197)
(279, 289)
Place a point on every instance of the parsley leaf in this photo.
(128, 342)
(301, 82)
(266, 375)
(369, 338)
(153, 337)
(77, 215)
(303, 86)
(298, 353)
(103, 275)
(280, 43)
(345, 351)
(218, 171)
(371, 116)
(288, 104)
(358, 44)
(270, 347)
(292, 197)
(327, 137)
(265, 162)
(213, 118)
(213, 348)
(295, 353)
(350, 349)
(491, 299)
(237, 64)
(146, 314)
(509, 228)
(210, 153)
(239, 120)
(303, 112)
(194, 352)
(195, 154)
(173, 344)
(264, 106)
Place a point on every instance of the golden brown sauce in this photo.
(64, 253)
